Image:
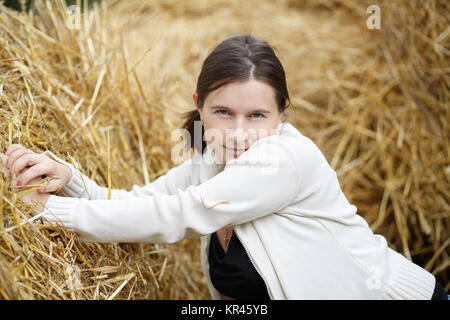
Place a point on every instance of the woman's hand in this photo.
(27, 166)
(34, 195)
(40, 197)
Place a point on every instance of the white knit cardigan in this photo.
(287, 208)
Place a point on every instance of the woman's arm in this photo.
(263, 180)
(80, 186)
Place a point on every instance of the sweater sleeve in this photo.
(261, 181)
(80, 186)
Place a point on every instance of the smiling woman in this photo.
(241, 96)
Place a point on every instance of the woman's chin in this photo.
(232, 154)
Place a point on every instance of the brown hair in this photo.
(239, 58)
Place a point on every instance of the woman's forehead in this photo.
(243, 96)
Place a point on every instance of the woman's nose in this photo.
(238, 137)
(238, 134)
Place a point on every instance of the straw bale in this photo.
(69, 90)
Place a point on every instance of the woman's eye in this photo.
(262, 116)
(225, 112)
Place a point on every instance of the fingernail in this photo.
(44, 189)
(19, 183)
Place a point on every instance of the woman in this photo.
(273, 221)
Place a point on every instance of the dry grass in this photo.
(107, 96)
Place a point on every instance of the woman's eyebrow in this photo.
(224, 107)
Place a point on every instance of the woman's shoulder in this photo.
(302, 149)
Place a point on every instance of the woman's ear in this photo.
(195, 96)
(284, 115)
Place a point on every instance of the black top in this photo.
(232, 273)
(439, 292)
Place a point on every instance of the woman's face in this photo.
(238, 114)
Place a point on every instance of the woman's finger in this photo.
(16, 154)
(52, 186)
(12, 148)
(32, 173)
(26, 160)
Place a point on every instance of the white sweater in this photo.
(288, 210)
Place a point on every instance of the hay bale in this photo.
(67, 90)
